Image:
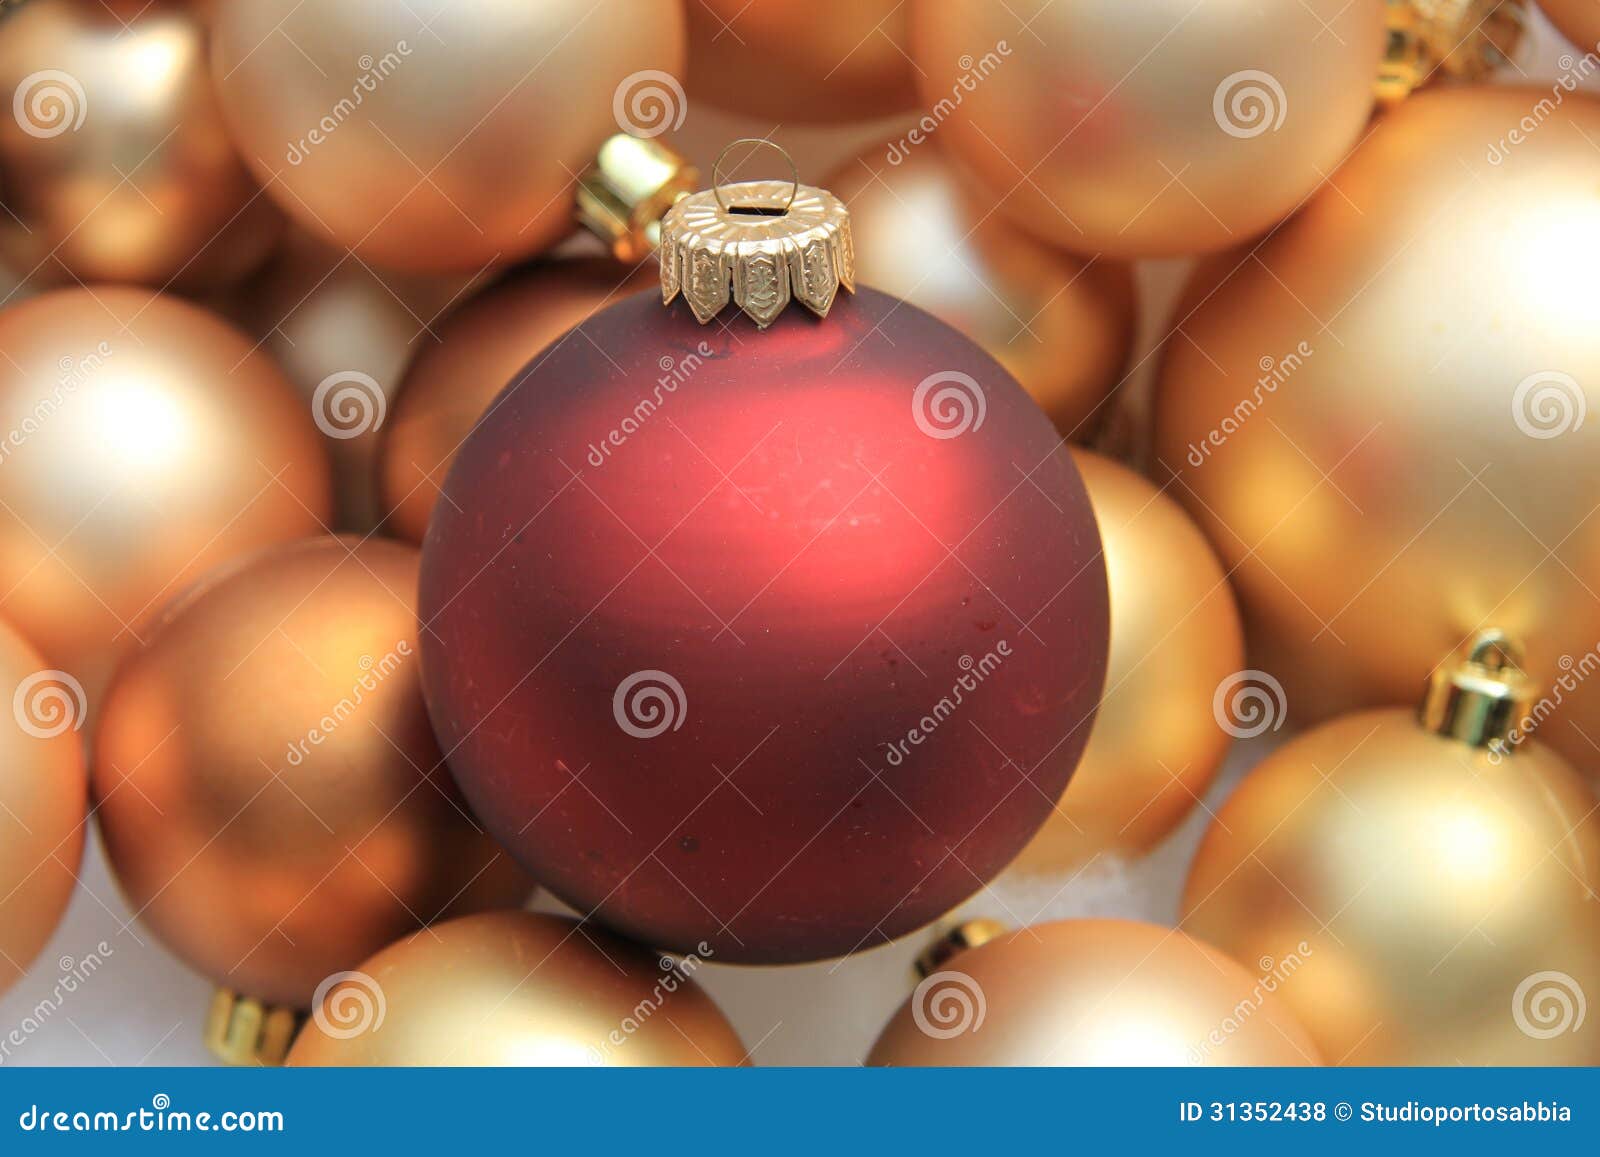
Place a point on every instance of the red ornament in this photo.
(770, 644)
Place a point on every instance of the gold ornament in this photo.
(1155, 129)
(1577, 20)
(1377, 416)
(117, 165)
(518, 988)
(43, 801)
(1062, 326)
(270, 793)
(1459, 39)
(1158, 740)
(142, 441)
(441, 136)
(478, 352)
(1097, 993)
(801, 60)
(1441, 878)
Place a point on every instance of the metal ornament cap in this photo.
(760, 244)
(1462, 39)
(1482, 696)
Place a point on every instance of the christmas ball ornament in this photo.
(1062, 326)
(1577, 20)
(1093, 992)
(117, 165)
(144, 442)
(1158, 741)
(801, 60)
(518, 988)
(1441, 878)
(430, 135)
(43, 790)
(1351, 470)
(781, 634)
(270, 794)
(1159, 129)
(476, 354)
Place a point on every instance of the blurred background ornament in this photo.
(801, 60)
(116, 166)
(325, 316)
(518, 988)
(43, 801)
(475, 354)
(722, 574)
(1158, 741)
(1093, 992)
(1389, 454)
(270, 794)
(1577, 20)
(1440, 875)
(1061, 325)
(144, 442)
(1430, 40)
(1159, 129)
(434, 135)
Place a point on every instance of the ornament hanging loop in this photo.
(1482, 697)
(757, 211)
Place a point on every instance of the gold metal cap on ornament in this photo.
(240, 1030)
(956, 939)
(1482, 697)
(760, 244)
(629, 188)
(1463, 39)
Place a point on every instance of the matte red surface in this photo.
(779, 535)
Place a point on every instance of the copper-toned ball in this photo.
(1099, 993)
(1158, 741)
(440, 134)
(1152, 129)
(518, 988)
(43, 798)
(1578, 20)
(1062, 326)
(117, 165)
(269, 790)
(142, 441)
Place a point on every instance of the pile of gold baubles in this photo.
(1375, 419)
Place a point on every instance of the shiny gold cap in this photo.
(630, 186)
(1463, 39)
(955, 939)
(1482, 697)
(242, 1031)
(758, 243)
